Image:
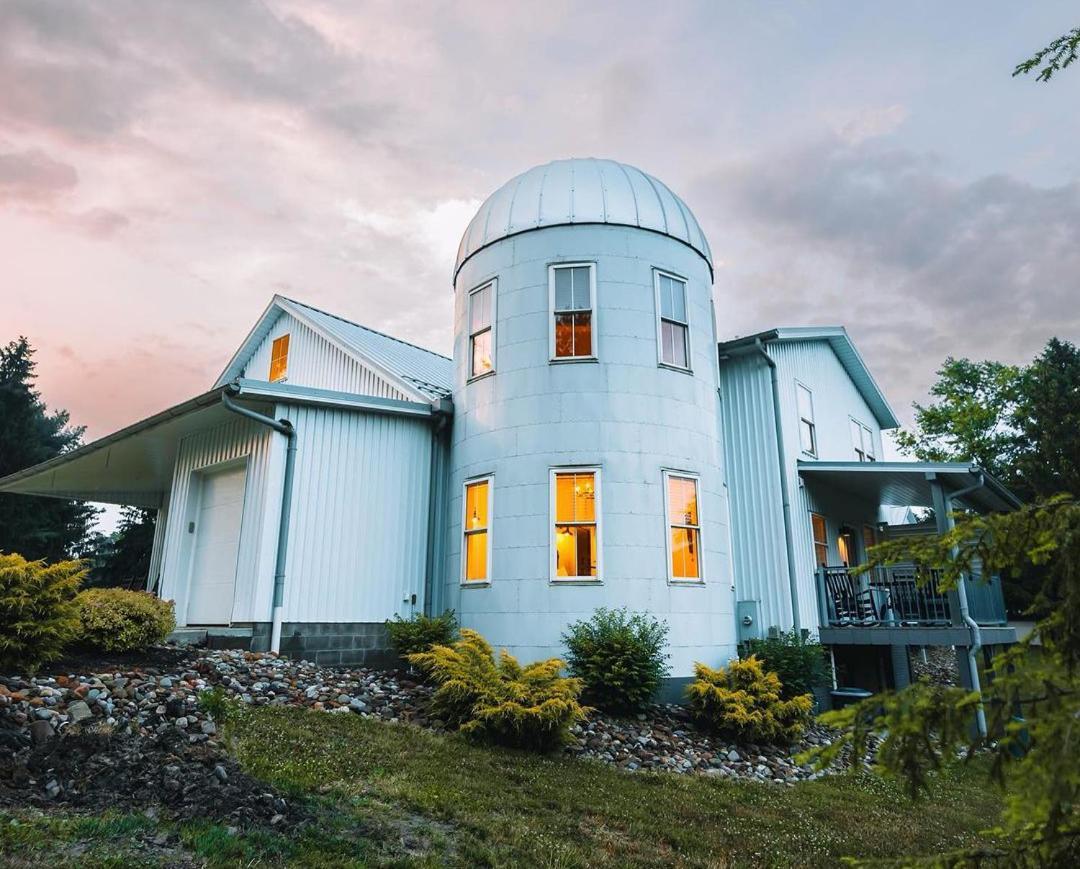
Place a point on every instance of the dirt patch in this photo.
(156, 659)
(98, 769)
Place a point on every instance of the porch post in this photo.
(901, 665)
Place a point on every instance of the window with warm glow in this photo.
(573, 302)
(674, 322)
(869, 539)
(576, 509)
(476, 545)
(807, 428)
(821, 539)
(481, 344)
(862, 441)
(684, 527)
(279, 358)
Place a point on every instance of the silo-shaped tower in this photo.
(585, 465)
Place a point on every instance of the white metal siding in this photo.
(359, 524)
(161, 522)
(314, 361)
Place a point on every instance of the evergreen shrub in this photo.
(118, 620)
(38, 613)
(420, 632)
(798, 661)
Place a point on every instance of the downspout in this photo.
(282, 426)
(437, 496)
(785, 491)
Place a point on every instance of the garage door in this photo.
(217, 544)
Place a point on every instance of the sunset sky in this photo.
(166, 167)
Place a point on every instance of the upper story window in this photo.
(279, 358)
(481, 333)
(862, 441)
(807, 428)
(476, 539)
(573, 306)
(684, 526)
(821, 539)
(575, 497)
(674, 324)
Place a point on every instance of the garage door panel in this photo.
(216, 547)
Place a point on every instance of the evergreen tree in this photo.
(122, 559)
(35, 527)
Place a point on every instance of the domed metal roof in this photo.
(581, 190)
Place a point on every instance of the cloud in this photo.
(32, 175)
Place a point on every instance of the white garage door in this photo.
(217, 542)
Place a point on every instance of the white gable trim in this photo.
(264, 325)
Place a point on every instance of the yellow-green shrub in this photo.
(38, 614)
(500, 701)
(117, 620)
(743, 702)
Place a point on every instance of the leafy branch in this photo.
(1058, 55)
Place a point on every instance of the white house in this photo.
(591, 444)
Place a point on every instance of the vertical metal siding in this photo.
(241, 439)
(160, 523)
(314, 361)
(360, 514)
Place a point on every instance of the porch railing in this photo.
(891, 597)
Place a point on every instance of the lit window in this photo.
(674, 333)
(481, 349)
(807, 429)
(862, 441)
(821, 539)
(576, 507)
(845, 544)
(869, 539)
(684, 527)
(573, 304)
(476, 543)
(279, 358)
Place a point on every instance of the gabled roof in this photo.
(421, 372)
(849, 357)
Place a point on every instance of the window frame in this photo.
(866, 438)
(463, 574)
(665, 475)
(660, 320)
(824, 542)
(281, 378)
(811, 422)
(553, 523)
(493, 283)
(593, 330)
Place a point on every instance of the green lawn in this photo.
(389, 794)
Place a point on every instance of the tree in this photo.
(1058, 55)
(122, 559)
(30, 433)
(1032, 698)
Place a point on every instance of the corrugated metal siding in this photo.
(161, 522)
(757, 520)
(241, 440)
(360, 514)
(314, 361)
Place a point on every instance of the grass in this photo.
(394, 795)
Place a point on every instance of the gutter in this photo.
(443, 412)
(282, 426)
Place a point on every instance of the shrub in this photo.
(619, 656)
(421, 632)
(117, 620)
(500, 701)
(799, 662)
(38, 614)
(743, 702)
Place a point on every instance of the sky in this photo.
(166, 167)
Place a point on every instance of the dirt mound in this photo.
(97, 769)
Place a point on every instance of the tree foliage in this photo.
(1058, 55)
(1032, 696)
(35, 527)
(122, 559)
(38, 613)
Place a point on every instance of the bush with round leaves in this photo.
(117, 620)
(38, 613)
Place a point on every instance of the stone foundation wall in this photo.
(331, 644)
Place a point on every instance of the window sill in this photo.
(570, 580)
(476, 583)
(566, 360)
(677, 368)
(476, 377)
(687, 583)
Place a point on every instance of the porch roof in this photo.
(908, 484)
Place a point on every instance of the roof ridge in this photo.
(366, 328)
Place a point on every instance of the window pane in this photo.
(582, 334)
(818, 523)
(869, 537)
(564, 292)
(481, 310)
(806, 403)
(821, 553)
(806, 436)
(564, 335)
(682, 500)
(678, 301)
(279, 357)
(476, 505)
(575, 550)
(856, 436)
(665, 297)
(685, 550)
(581, 288)
(586, 550)
(575, 497)
(678, 345)
(481, 353)
(476, 556)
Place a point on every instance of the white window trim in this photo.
(666, 475)
(494, 284)
(490, 480)
(592, 311)
(689, 369)
(868, 433)
(552, 522)
(813, 421)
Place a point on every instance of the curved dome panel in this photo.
(581, 190)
